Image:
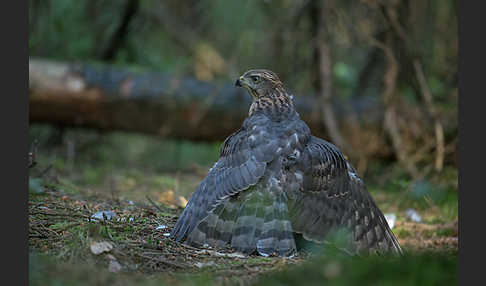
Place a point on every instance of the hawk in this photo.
(274, 180)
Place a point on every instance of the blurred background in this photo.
(377, 78)
(129, 99)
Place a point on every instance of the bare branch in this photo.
(439, 130)
(390, 121)
(325, 82)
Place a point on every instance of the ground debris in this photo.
(100, 247)
(114, 266)
(137, 241)
(103, 215)
(220, 254)
(390, 219)
(204, 264)
(413, 215)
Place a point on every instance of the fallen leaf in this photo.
(181, 201)
(167, 197)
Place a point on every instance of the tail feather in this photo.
(217, 227)
(286, 242)
(276, 235)
(267, 239)
(256, 221)
(226, 223)
(244, 231)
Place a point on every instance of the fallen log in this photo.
(108, 98)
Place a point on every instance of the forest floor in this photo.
(70, 245)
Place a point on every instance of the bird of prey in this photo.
(274, 180)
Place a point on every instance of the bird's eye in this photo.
(255, 78)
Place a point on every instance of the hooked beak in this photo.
(242, 82)
(239, 82)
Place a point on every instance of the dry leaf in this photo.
(167, 197)
(208, 62)
(181, 202)
(171, 200)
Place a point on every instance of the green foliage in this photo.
(124, 157)
(279, 35)
(423, 269)
(345, 78)
(411, 269)
(35, 186)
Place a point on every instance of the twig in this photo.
(33, 154)
(419, 155)
(325, 80)
(190, 247)
(114, 191)
(164, 261)
(59, 214)
(439, 131)
(390, 121)
(118, 38)
(154, 204)
(43, 173)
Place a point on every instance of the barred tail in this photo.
(276, 234)
(257, 221)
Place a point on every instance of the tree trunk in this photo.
(105, 98)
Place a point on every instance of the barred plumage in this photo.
(274, 179)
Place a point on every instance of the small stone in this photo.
(101, 215)
(161, 226)
(114, 266)
(100, 247)
(413, 215)
(390, 219)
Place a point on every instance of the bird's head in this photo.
(259, 82)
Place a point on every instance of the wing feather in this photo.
(242, 164)
(332, 197)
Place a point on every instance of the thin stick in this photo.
(390, 122)
(154, 204)
(439, 131)
(159, 259)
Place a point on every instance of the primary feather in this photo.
(274, 179)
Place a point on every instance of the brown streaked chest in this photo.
(274, 105)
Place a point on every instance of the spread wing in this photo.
(331, 196)
(243, 159)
